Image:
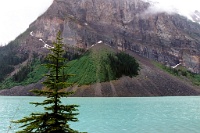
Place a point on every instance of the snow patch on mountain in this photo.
(100, 42)
(31, 33)
(45, 45)
(176, 65)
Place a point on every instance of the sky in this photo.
(16, 15)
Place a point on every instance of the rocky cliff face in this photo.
(124, 24)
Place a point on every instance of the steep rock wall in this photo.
(124, 24)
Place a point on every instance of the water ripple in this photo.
(117, 115)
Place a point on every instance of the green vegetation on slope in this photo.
(100, 64)
(181, 72)
(30, 73)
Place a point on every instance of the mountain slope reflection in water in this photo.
(116, 115)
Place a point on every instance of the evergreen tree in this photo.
(57, 115)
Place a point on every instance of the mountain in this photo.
(170, 39)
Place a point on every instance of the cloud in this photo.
(182, 7)
(16, 15)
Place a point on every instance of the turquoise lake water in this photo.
(116, 115)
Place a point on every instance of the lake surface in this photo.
(115, 115)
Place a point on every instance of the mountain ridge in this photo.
(167, 38)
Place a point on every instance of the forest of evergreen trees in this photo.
(9, 57)
(123, 64)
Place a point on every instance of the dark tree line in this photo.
(73, 53)
(10, 57)
(8, 62)
(23, 72)
(123, 64)
(21, 75)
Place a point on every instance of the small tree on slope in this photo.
(57, 115)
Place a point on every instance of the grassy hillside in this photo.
(101, 63)
(98, 64)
